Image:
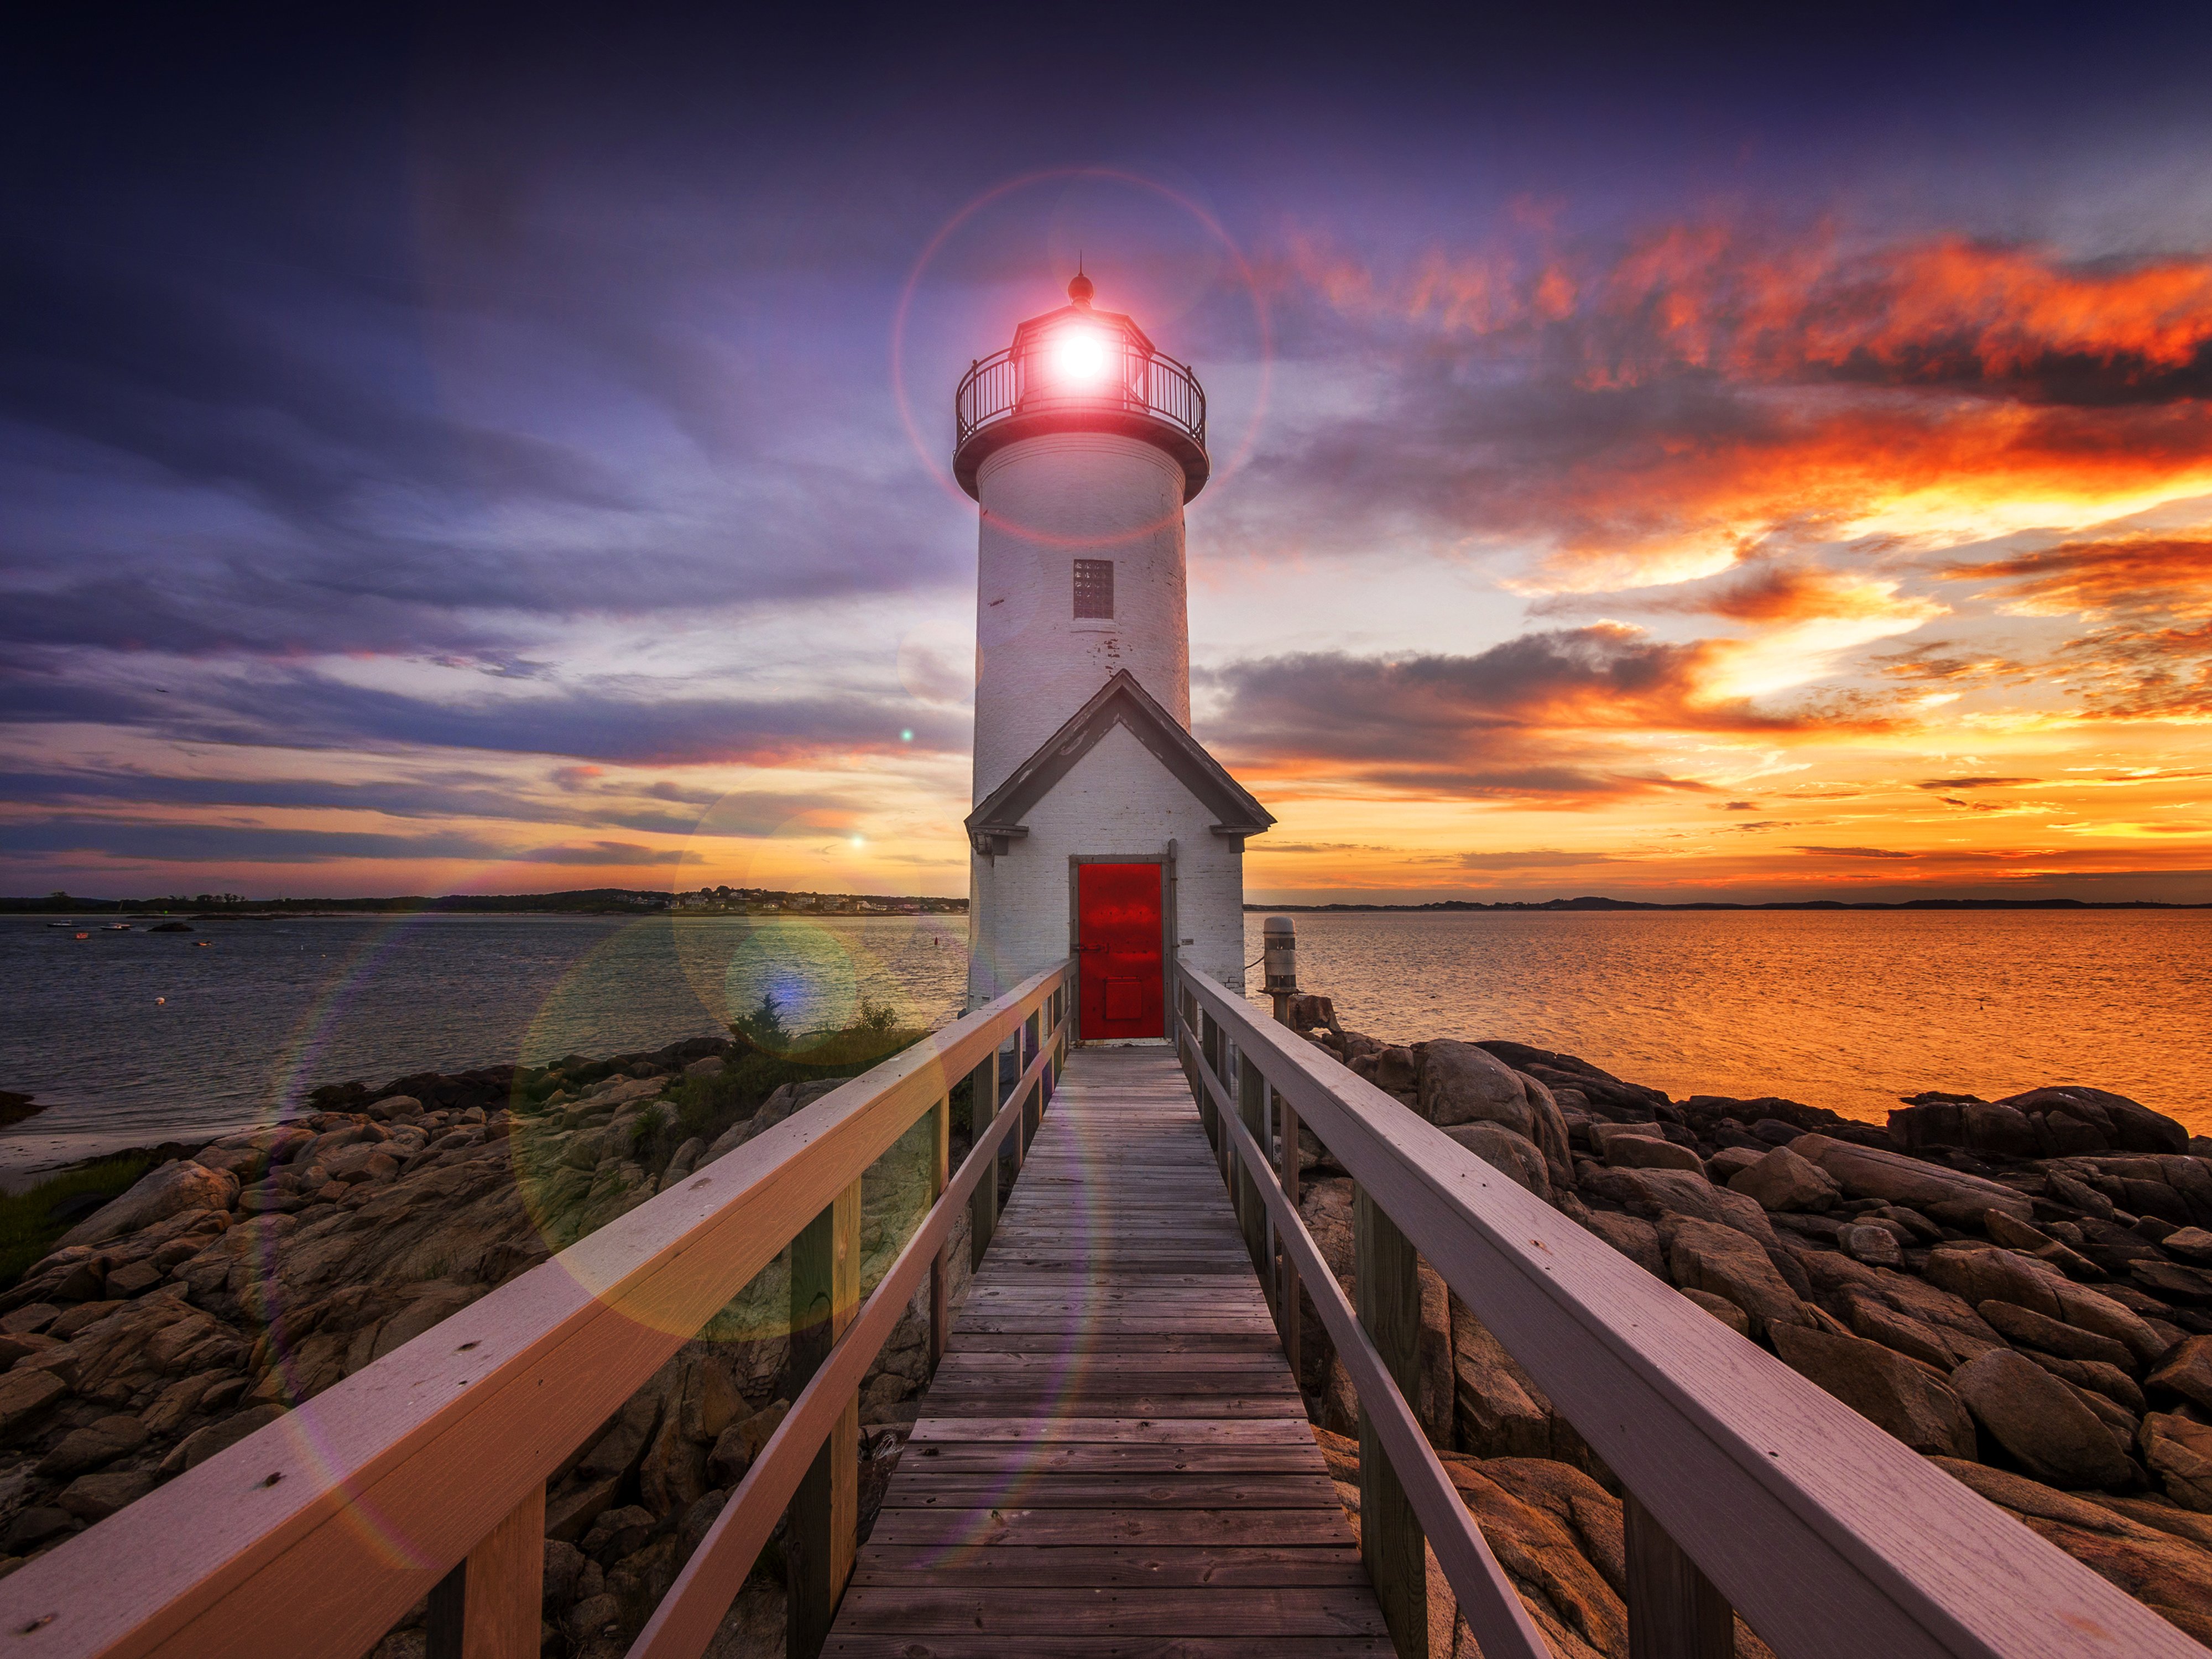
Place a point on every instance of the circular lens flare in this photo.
(1080, 357)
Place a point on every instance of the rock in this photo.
(2187, 1372)
(590, 1618)
(1876, 1246)
(729, 1460)
(1784, 1181)
(24, 1392)
(1980, 1275)
(158, 1194)
(100, 1442)
(563, 1572)
(35, 1526)
(1510, 1154)
(93, 1498)
(1650, 1152)
(617, 1452)
(2073, 1119)
(2040, 1421)
(710, 1067)
(1461, 1084)
(754, 1431)
(2120, 1538)
(619, 1533)
(1730, 1162)
(571, 1510)
(1718, 1259)
(29, 1321)
(2093, 1378)
(2179, 1451)
(2190, 1243)
(2031, 1241)
(2031, 1330)
(1542, 1555)
(1723, 1310)
(1633, 1237)
(2189, 1286)
(674, 1474)
(1869, 1172)
(1499, 1412)
(1889, 1390)
(197, 1447)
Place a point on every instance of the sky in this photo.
(1662, 454)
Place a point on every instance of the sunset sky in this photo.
(1658, 459)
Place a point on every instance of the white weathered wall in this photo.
(1120, 801)
(1046, 502)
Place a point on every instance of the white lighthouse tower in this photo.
(1101, 828)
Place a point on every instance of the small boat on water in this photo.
(117, 927)
(61, 924)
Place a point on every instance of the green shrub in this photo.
(27, 1233)
(650, 1122)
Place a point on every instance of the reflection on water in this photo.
(1846, 1010)
(273, 1009)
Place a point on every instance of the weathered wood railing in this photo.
(1749, 1488)
(426, 1471)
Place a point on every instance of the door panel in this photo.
(1117, 934)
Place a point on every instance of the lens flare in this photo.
(1080, 357)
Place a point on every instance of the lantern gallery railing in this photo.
(425, 1472)
(1749, 1488)
(1079, 367)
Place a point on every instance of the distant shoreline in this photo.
(1726, 904)
(631, 901)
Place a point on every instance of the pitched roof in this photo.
(1120, 702)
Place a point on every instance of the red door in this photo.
(1117, 943)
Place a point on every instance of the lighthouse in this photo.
(1102, 829)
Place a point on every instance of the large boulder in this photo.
(1887, 1388)
(2072, 1120)
(1461, 1084)
(2040, 1421)
(1640, 1151)
(1869, 1172)
(158, 1194)
(2180, 1452)
(2030, 1329)
(1782, 1179)
(1498, 1410)
(1707, 1256)
(1512, 1155)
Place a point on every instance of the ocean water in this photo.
(1843, 1009)
(135, 1037)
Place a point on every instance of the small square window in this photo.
(1094, 587)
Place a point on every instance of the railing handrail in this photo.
(1003, 386)
(314, 1535)
(1830, 1537)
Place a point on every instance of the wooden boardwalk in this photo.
(1113, 1459)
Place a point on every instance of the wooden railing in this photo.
(426, 1471)
(1747, 1487)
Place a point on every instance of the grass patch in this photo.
(26, 1232)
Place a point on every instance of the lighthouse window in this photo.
(1094, 587)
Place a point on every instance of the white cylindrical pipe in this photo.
(1048, 501)
(1278, 937)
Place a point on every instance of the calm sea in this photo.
(138, 1036)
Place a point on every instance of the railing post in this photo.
(983, 1205)
(1674, 1612)
(1252, 1106)
(825, 1511)
(1209, 1047)
(940, 1170)
(488, 1607)
(1389, 1287)
(1286, 1124)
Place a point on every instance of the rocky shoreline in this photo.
(2020, 1290)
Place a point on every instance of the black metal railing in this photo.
(1023, 379)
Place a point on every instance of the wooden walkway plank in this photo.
(1113, 1458)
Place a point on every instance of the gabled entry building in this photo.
(1101, 827)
